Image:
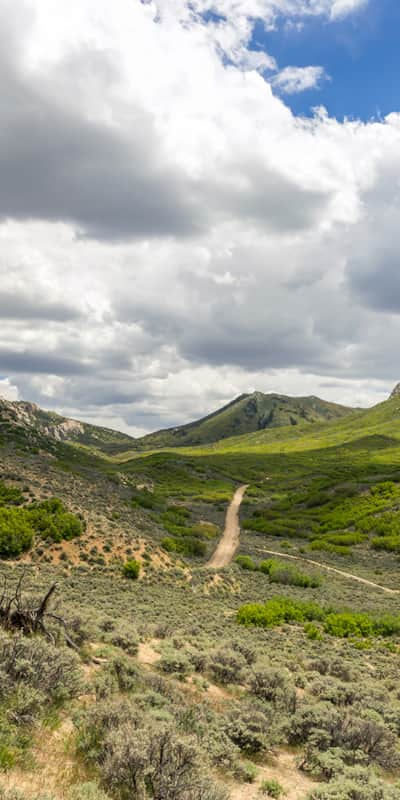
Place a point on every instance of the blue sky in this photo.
(360, 53)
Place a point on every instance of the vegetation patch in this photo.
(131, 569)
(343, 624)
(20, 523)
(280, 571)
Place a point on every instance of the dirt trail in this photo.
(333, 569)
(230, 538)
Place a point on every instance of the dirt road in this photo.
(230, 538)
(348, 575)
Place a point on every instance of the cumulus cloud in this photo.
(172, 235)
(292, 80)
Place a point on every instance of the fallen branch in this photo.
(18, 614)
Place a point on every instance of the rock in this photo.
(396, 392)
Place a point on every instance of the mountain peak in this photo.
(396, 392)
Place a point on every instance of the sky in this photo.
(198, 199)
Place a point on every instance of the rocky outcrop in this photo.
(396, 392)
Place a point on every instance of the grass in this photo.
(302, 678)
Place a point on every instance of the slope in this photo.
(27, 421)
(246, 414)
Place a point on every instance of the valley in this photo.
(257, 640)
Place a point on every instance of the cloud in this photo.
(58, 164)
(292, 80)
(341, 8)
(7, 390)
(172, 235)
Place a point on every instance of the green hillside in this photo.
(246, 414)
(273, 676)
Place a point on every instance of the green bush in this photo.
(10, 496)
(16, 532)
(342, 624)
(389, 543)
(348, 624)
(51, 520)
(185, 545)
(246, 562)
(289, 575)
(277, 611)
(131, 569)
(272, 788)
(328, 547)
(345, 539)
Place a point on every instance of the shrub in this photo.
(185, 545)
(355, 784)
(389, 543)
(52, 521)
(131, 569)
(312, 632)
(249, 728)
(328, 547)
(347, 624)
(287, 574)
(343, 624)
(246, 771)
(125, 637)
(40, 665)
(10, 496)
(272, 788)
(175, 661)
(227, 666)
(157, 759)
(279, 610)
(16, 532)
(274, 686)
(246, 562)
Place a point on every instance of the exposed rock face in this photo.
(30, 416)
(396, 392)
(42, 428)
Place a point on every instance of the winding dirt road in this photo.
(230, 539)
(348, 575)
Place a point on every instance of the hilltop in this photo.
(246, 414)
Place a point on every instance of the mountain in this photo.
(20, 419)
(395, 393)
(246, 414)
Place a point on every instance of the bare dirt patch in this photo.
(147, 654)
(282, 769)
(55, 767)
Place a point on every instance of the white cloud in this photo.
(7, 390)
(341, 8)
(187, 237)
(292, 80)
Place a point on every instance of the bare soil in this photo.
(229, 541)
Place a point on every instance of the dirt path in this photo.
(230, 538)
(333, 569)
